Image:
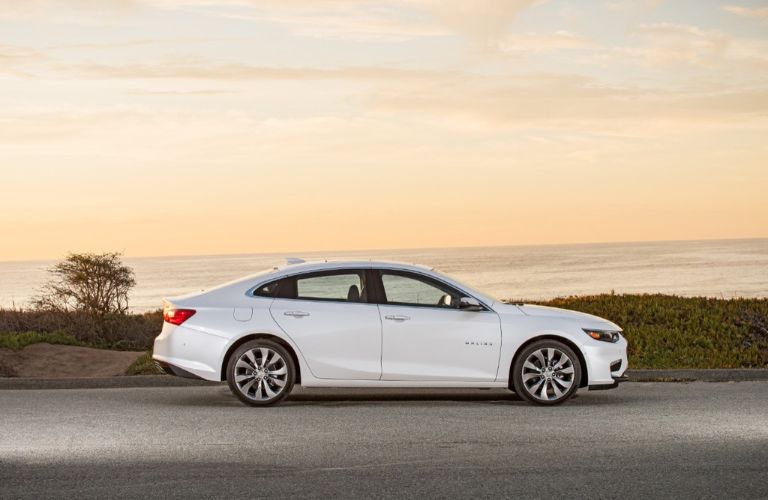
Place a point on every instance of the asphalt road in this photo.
(703, 440)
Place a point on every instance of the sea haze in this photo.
(715, 268)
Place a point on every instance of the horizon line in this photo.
(295, 253)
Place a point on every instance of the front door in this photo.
(426, 337)
(330, 320)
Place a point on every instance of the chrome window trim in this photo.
(251, 292)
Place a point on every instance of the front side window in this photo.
(408, 289)
(347, 286)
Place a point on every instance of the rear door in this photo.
(328, 316)
(426, 337)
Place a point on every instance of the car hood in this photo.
(587, 320)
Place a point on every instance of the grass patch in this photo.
(666, 331)
(144, 366)
(17, 341)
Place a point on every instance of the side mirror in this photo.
(470, 304)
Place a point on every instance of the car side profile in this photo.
(381, 324)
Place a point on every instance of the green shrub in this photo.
(17, 341)
(144, 366)
(666, 331)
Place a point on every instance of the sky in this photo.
(181, 127)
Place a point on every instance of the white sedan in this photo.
(380, 324)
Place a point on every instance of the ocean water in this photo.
(714, 268)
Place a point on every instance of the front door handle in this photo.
(397, 317)
(296, 314)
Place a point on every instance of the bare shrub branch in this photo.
(96, 284)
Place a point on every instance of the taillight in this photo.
(177, 316)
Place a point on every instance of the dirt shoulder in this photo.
(58, 361)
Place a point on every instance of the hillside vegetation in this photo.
(664, 331)
(119, 331)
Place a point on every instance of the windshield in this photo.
(487, 298)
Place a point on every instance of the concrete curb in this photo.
(10, 383)
(721, 375)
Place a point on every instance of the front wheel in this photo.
(260, 372)
(546, 372)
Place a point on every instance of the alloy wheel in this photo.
(261, 374)
(548, 374)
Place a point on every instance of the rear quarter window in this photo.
(283, 288)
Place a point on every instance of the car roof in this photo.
(278, 272)
(320, 265)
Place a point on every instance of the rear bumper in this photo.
(176, 371)
(189, 350)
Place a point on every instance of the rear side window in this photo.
(343, 286)
(347, 286)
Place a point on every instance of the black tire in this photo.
(263, 379)
(535, 382)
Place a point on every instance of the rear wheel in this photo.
(546, 372)
(260, 372)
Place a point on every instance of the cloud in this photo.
(628, 5)
(688, 57)
(667, 42)
(757, 13)
(15, 60)
(201, 92)
(568, 102)
(20, 9)
(342, 25)
(668, 45)
(79, 10)
(482, 21)
(10, 54)
(198, 69)
(674, 43)
(141, 42)
(543, 42)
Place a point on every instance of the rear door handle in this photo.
(397, 317)
(296, 314)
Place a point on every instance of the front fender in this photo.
(519, 331)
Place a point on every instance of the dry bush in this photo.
(112, 331)
(95, 284)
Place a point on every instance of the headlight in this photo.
(603, 335)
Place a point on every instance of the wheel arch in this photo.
(255, 336)
(584, 382)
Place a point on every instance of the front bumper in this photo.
(605, 387)
(606, 363)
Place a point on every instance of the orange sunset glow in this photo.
(257, 126)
